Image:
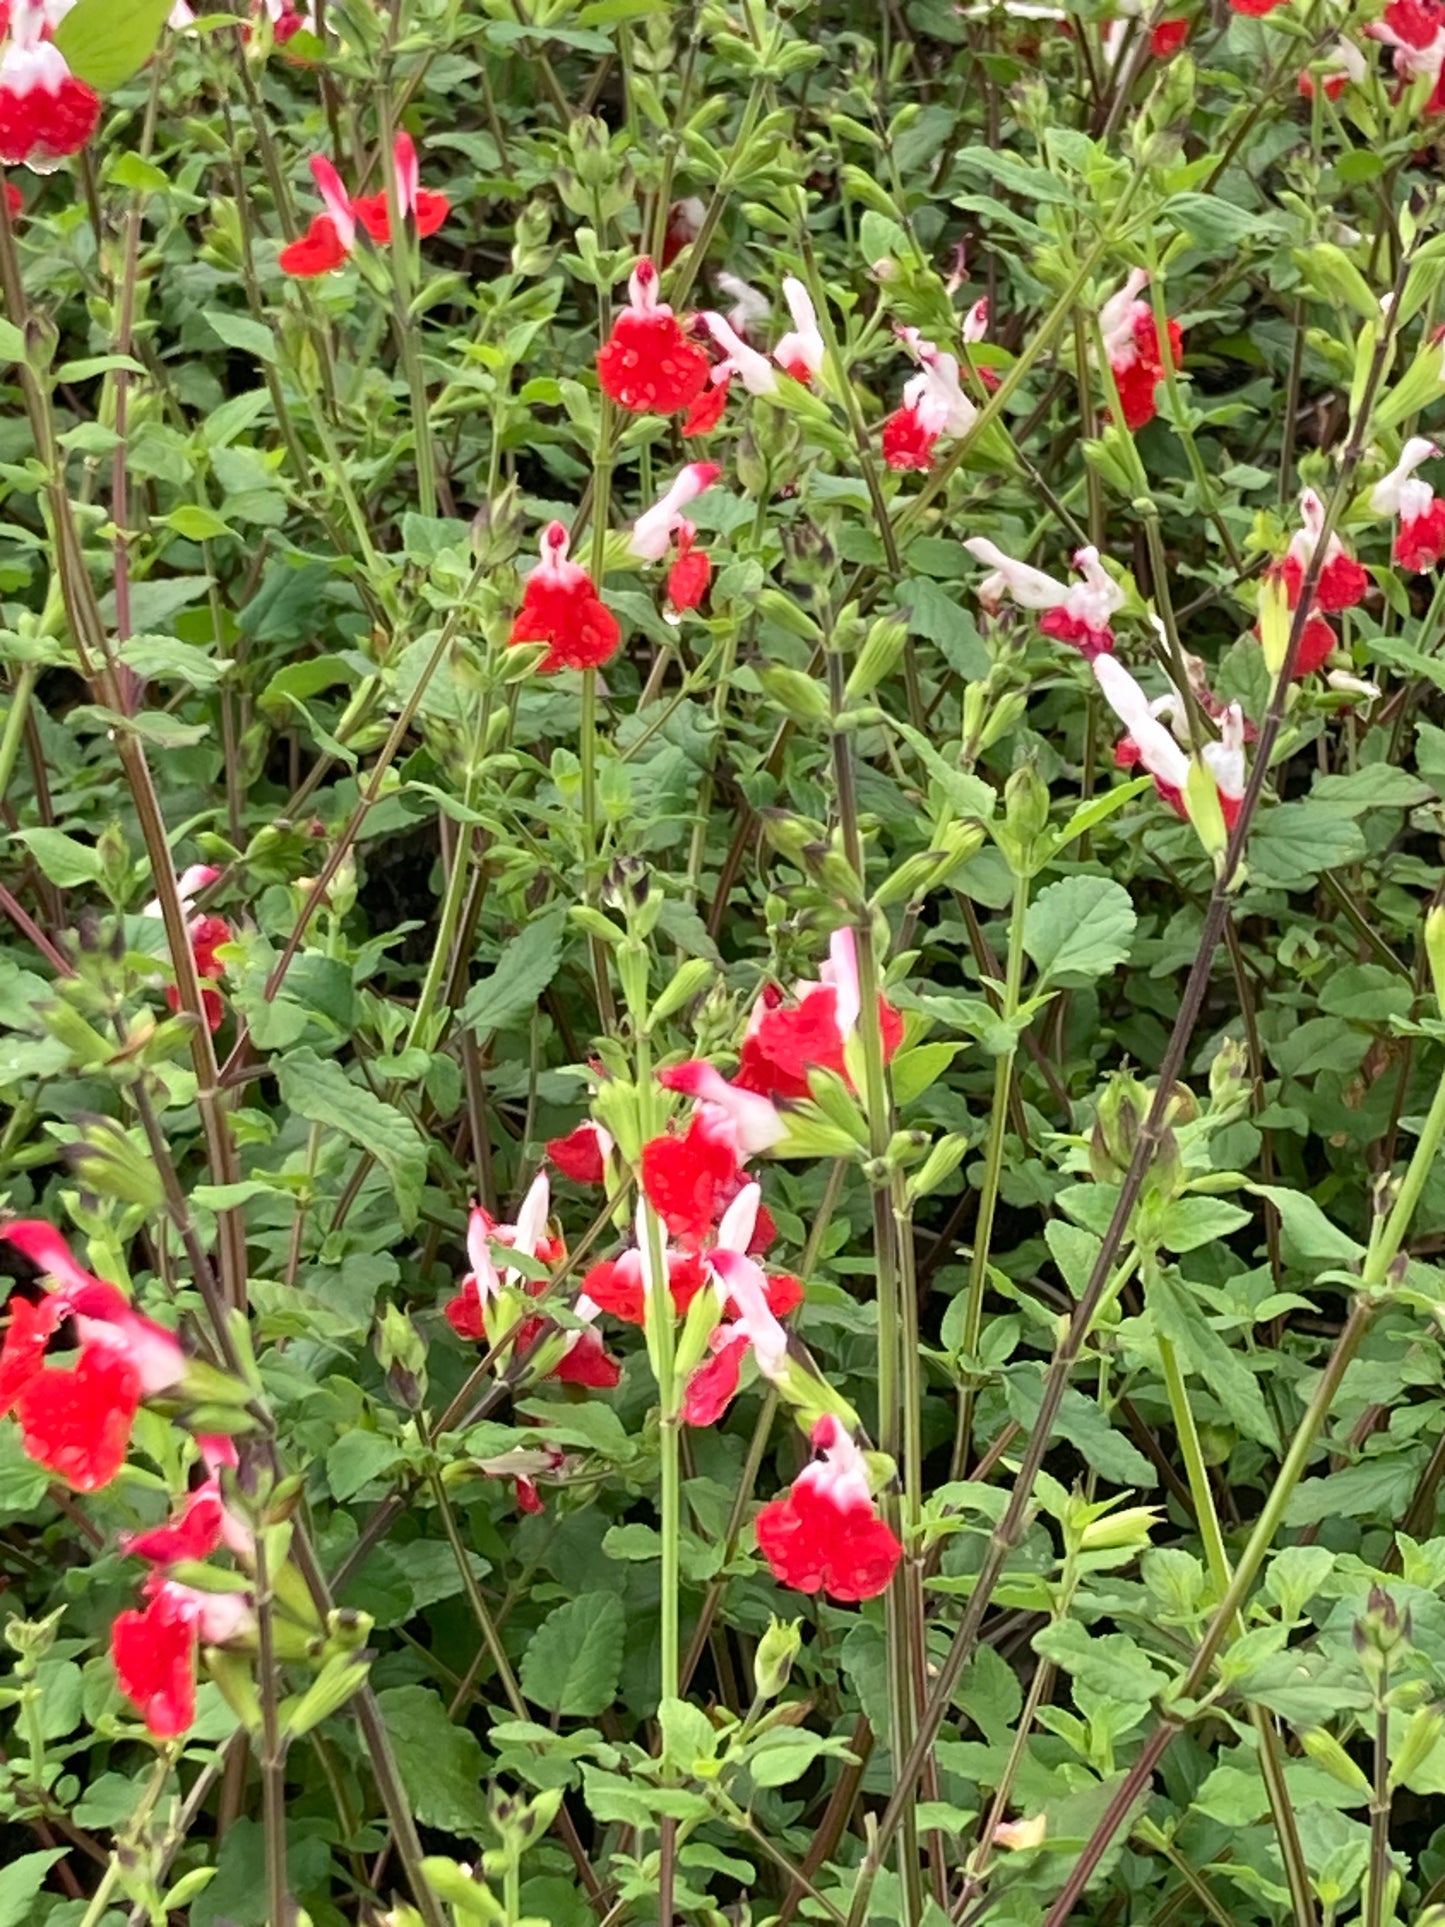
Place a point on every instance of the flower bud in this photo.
(773, 1660)
(1274, 621)
(1423, 1733)
(1122, 1108)
(1016, 1835)
(1026, 803)
(402, 1356)
(1325, 1750)
(1435, 951)
(1229, 1078)
(1129, 1527)
(591, 151)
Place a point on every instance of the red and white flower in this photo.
(755, 1303)
(648, 364)
(46, 112)
(825, 1535)
(1415, 29)
(102, 1313)
(582, 1155)
(1420, 512)
(202, 1524)
(1131, 343)
(561, 607)
(1342, 65)
(329, 241)
(934, 406)
(801, 351)
(691, 1176)
(207, 932)
(1152, 745)
(784, 1041)
(652, 533)
(1341, 583)
(1079, 613)
(755, 1122)
(583, 1360)
(154, 1650)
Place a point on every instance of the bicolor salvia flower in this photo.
(1415, 507)
(154, 1650)
(649, 365)
(1078, 613)
(76, 1418)
(331, 238)
(207, 932)
(825, 1534)
(46, 112)
(653, 532)
(1131, 343)
(583, 1360)
(738, 358)
(1415, 30)
(934, 406)
(561, 607)
(1149, 743)
(786, 1038)
(1340, 66)
(800, 352)
(1341, 582)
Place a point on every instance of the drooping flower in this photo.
(1131, 343)
(1074, 612)
(648, 364)
(800, 353)
(690, 575)
(203, 1522)
(561, 607)
(1420, 537)
(154, 1650)
(582, 1155)
(754, 1120)
(784, 1041)
(207, 933)
(825, 1534)
(751, 307)
(934, 406)
(751, 368)
(46, 112)
(77, 1423)
(423, 205)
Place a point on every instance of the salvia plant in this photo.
(722, 963)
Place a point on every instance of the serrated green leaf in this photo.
(523, 971)
(105, 43)
(1078, 929)
(318, 1089)
(574, 1659)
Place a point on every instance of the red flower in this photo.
(616, 1285)
(1420, 544)
(582, 1155)
(77, 1424)
(561, 607)
(1168, 37)
(825, 1535)
(529, 1499)
(689, 1180)
(426, 207)
(331, 236)
(714, 1386)
(320, 249)
(45, 111)
(907, 441)
(1256, 9)
(648, 365)
(690, 575)
(707, 411)
(784, 1042)
(195, 1534)
(585, 1362)
(23, 1357)
(154, 1654)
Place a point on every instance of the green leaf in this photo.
(105, 42)
(1201, 1350)
(318, 1089)
(440, 1764)
(1294, 842)
(1365, 993)
(239, 331)
(933, 614)
(1379, 786)
(1108, 1663)
(21, 1882)
(1081, 1422)
(197, 524)
(1309, 1237)
(1189, 1223)
(1079, 928)
(574, 1660)
(1373, 1488)
(523, 971)
(64, 860)
(357, 1458)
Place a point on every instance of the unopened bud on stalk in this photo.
(1423, 1733)
(773, 1661)
(1325, 1750)
(1229, 1077)
(530, 254)
(1380, 1630)
(1129, 1527)
(1026, 803)
(402, 1356)
(752, 468)
(1435, 951)
(882, 646)
(592, 154)
(1118, 1120)
(1274, 622)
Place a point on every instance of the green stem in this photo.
(26, 678)
(100, 1900)
(273, 1747)
(993, 1159)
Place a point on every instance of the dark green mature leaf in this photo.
(440, 1763)
(1108, 1663)
(574, 1660)
(1294, 842)
(106, 41)
(1309, 1237)
(21, 1881)
(523, 971)
(317, 1088)
(1079, 928)
(1082, 1423)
